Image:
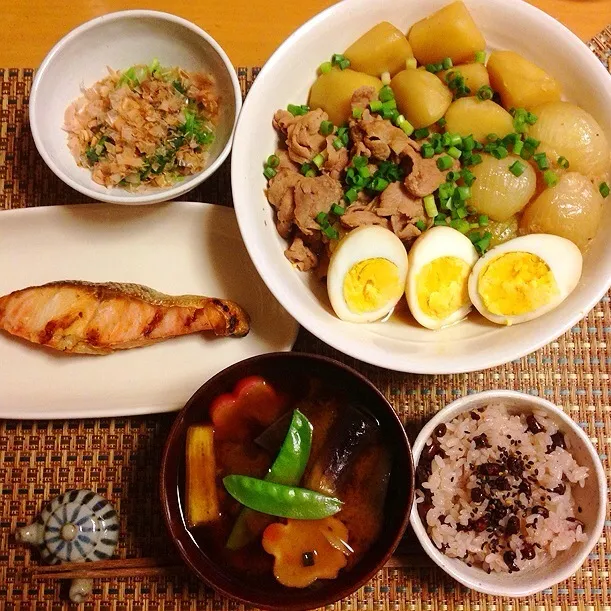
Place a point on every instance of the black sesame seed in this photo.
(542, 511)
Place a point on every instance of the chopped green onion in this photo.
(420, 224)
(360, 161)
(468, 143)
(394, 115)
(357, 112)
(483, 220)
(463, 193)
(318, 160)
(460, 225)
(154, 66)
(378, 184)
(517, 147)
(273, 161)
(500, 152)
(453, 139)
(604, 190)
(269, 172)
(340, 61)
(446, 190)
(441, 122)
(389, 104)
(337, 144)
(526, 153)
(510, 140)
(307, 170)
(407, 127)
(550, 178)
(530, 118)
(330, 232)
(492, 137)
(298, 110)
(517, 168)
(325, 67)
(484, 93)
(483, 244)
(462, 212)
(454, 152)
(421, 133)
(445, 162)
(467, 176)
(563, 163)
(350, 195)
(429, 206)
(434, 68)
(446, 63)
(376, 105)
(337, 209)
(452, 176)
(326, 128)
(411, 63)
(541, 160)
(364, 172)
(427, 151)
(480, 57)
(322, 218)
(472, 160)
(533, 142)
(386, 93)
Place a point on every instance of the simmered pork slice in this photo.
(336, 161)
(301, 256)
(423, 177)
(303, 138)
(312, 196)
(358, 215)
(363, 96)
(378, 135)
(403, 209)
(281, 195)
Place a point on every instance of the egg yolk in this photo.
(371, 284)
(442, 287)
(516, 283)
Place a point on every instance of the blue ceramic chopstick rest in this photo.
(77, 526)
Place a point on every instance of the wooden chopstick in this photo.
(163, 567)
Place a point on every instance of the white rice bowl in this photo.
(537, 490)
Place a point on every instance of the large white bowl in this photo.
(120, 40)
(592, 498)
(399, 345)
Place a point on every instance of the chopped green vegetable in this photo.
(386, 94)
(563, 163)
(322, 218)
(427, 151)
(454, 152)
(325, 67)
(445, 162)
(484, 93)
(337, 209)
(483, 220)
(318, 160)
(604, 190)
(550, 178)
(326, 128)
(483, 244)
(541, 160)
(517, 147)
(340, 61)
(446, 63)
(307, 170)
(350, 195)
(194, 128)
(421, 133)
(429, 206)
(378, 184)
(517, 168)
(179, 87)
(269, 172)
(500, 152)
(420, 224)
(338, 144)
(331, 232)
(468, 143)
(273, 161)
(357, 112)
(480, 57)
(376, 105)
(467, 176)
(441, 122)
(460, 225)
(463, 193)
(298, 110)
(434, 68)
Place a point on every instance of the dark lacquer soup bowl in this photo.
(314, 445)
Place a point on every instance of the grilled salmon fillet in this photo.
(99, 318)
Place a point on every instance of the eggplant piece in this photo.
(351, 431)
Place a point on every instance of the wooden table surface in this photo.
(249, 30)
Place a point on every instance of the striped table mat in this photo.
(119, 457)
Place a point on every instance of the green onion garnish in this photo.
(357, 112)
(427, 151)
(517, 147)
(434, 68)
(269, 172)
(604, 190)
(460, 225)
(340, 61)
(326, 128)
(421, 133)
(541, 160)
(563, 163)
(445, 162)
(337, 144)
(430, 206)
(318, 160)
(378, 184)
(307, 170)
(446, 63)
(386, 94)
(420, 224)
(389, 104)
(533, 142)
(483, 244)
(454, 152)
(517, 168)
(325, 67)
(322, 218)
(483, 220)
(480, 57)
(463, 193)
(360, 161)
(273, 161)
(492, 137)
(406, 126)
(472, 160)
(526, 153)
(330, 232)
(500, 152)
(441, 122)
(550, 178)
(350, 195)
(376, 105)
(468, 143)
(298, 110)
(484, 93)
(467, 176)
(337, 209)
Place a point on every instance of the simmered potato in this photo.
(567, 130)
(520, 83)
(472, 116)
(332, 92)
(497, 192)
(449, 32)
(421, 96)
(572, 209)
(384, 48)
(475, 76)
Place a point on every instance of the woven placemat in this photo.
(119, 457)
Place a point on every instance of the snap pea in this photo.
(287, 469)
(280, 500)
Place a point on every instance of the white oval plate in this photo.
(401, 344)
(176, 248)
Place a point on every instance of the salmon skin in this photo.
(98, 318)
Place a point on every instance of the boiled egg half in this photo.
(525, 278)
(366, 275)
(440, 262)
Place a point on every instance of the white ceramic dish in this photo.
(401, 344)
(120, 40)
(176, 248)
(592, 498)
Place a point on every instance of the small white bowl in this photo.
(592, 498)
(400, 344)
(120, 40)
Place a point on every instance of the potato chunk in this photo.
(449, 32)
(384, 48)
(475, 76)
(421, 96)
(472, 116)
(497, 192)
(332, 92)
(520, 83)
(573, 209)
